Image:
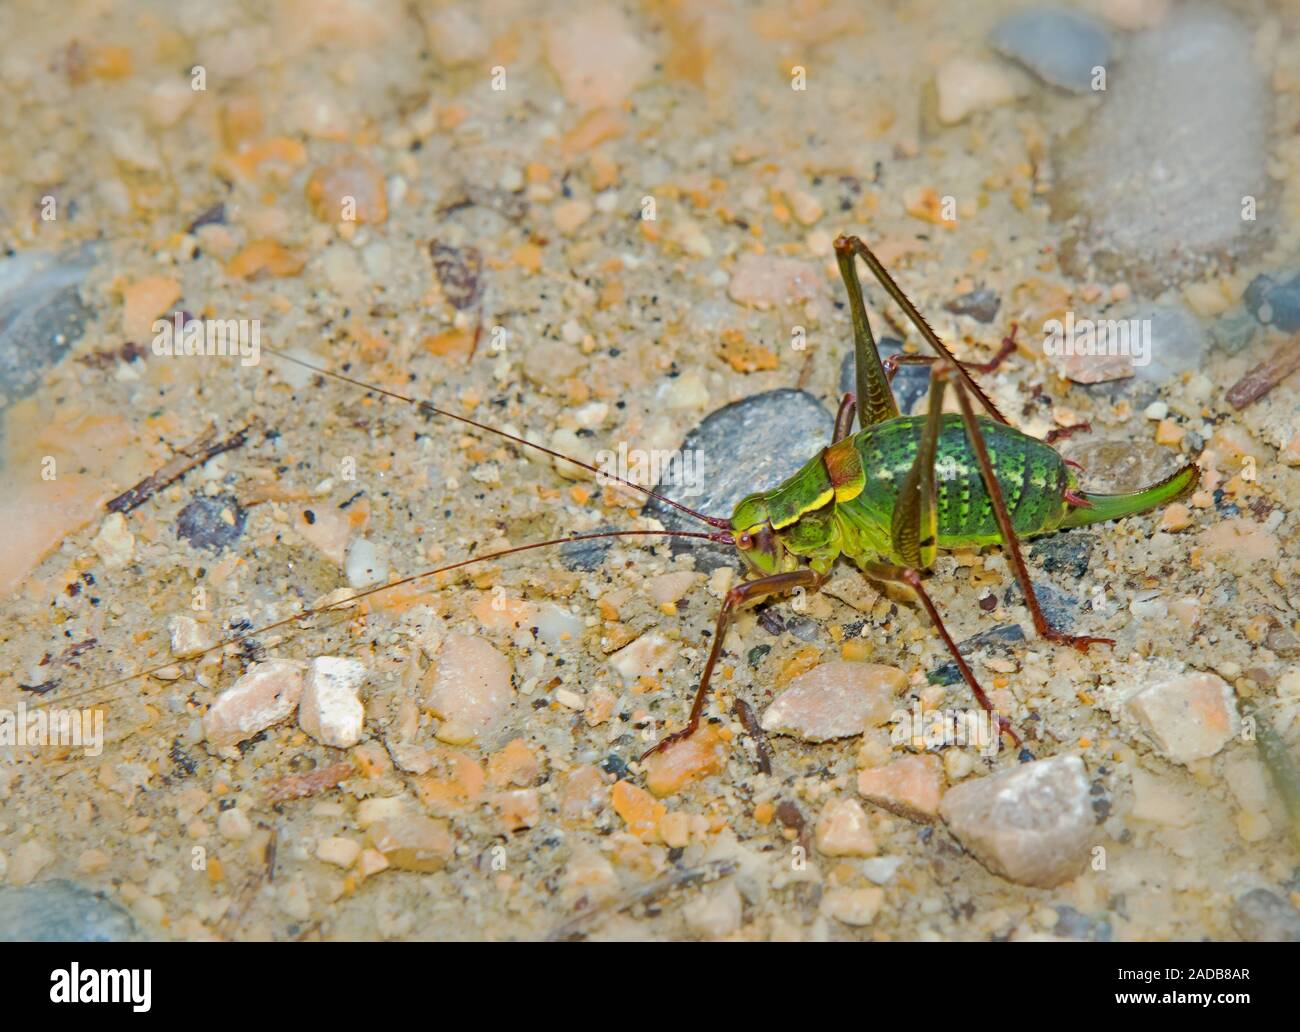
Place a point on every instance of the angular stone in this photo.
(856, 907)
(1188, 717)
(1031, 824)
(412, 843)
(471, 690)
(910, 786)
(835, 700)
(264, 696)
(331, 710)
(843, 829)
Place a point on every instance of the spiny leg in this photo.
(912, 578)
(914, 535)
(776, 584)
(1009, 540)
(848, 246)
(844, 418)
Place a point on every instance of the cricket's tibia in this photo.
(1102, 507)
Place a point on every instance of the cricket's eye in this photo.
(745, 541)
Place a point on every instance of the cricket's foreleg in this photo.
(776, 584)
(912, 578)
(844, 418)
(1009, 540)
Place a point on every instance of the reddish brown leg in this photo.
(912, 578)
(844, 418)
(776, 584)
(1062, 432)
(892, 362)
(1009, 540)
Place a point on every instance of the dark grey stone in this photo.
(41, 317)
(1275, 302)
(750, 445)
(62, 911)
(201, 523)
(980, 304)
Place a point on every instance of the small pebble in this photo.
(1060, 46)
(1031, 824)
(835, 700)
(967, 84)
(331, 710)
(263, 697)
(1189, 717)
(470, 689)
(854, 907)
(843, 829)
(910, 786)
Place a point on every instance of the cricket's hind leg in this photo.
(913, 535)
(1010, 542)
(892, 362)
(912, 578)
(776, 584)
(846, 249)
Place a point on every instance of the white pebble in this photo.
(365, 566)
(331, 710)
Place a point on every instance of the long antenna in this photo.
(344, 603)
(712, 521)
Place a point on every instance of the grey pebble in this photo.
(61, 911)
(1067, 552)
(1061, 47)
(1178, 341)
(1263, 916)
(750, 445)
(1152, 184)
(1058, 607)
(202, 524)
(588, 555)
(41, 317)
(1234, 329)
(1275, 302)
(980, 304)
(1001, 637)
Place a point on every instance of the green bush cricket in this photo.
(887, 498)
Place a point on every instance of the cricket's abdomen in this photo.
(1033, 478)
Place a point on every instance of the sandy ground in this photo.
(350, 177)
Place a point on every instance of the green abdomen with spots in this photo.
(1033, 478)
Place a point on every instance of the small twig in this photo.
(299, 786)
(185, 460)
(1261, 379)
(755, 731)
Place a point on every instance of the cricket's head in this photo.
(759, 545)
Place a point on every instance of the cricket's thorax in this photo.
(842, 501)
